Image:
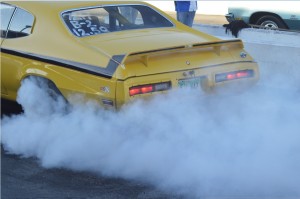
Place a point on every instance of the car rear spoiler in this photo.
(213, 46)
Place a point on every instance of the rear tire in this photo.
(58, 101)
(269, 21)
(50, 87)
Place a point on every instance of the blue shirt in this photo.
(185, 6)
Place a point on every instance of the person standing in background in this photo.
(186, 11)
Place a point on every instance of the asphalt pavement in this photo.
(24, 178)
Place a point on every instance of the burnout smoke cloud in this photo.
(184, 142)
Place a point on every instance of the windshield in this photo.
(99, 20)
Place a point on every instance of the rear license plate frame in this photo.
(194, 82)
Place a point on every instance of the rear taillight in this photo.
(149, 88)
(234, 75)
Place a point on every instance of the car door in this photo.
(17, 25)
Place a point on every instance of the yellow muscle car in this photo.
(113, 51)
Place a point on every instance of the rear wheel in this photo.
(47, 95)
(269, 21)
(48, 86)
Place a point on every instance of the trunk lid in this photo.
(125, 42)
(159, 51)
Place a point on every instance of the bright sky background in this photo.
(221, 7)
(204, 7)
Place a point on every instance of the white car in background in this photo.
(269, 14)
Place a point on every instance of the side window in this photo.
(21, 24)
(6, 14)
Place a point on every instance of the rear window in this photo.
(99, 20)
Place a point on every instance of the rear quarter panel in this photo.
(52, 39)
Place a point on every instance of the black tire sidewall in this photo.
(274, 19)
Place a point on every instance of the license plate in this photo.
(189, 83)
